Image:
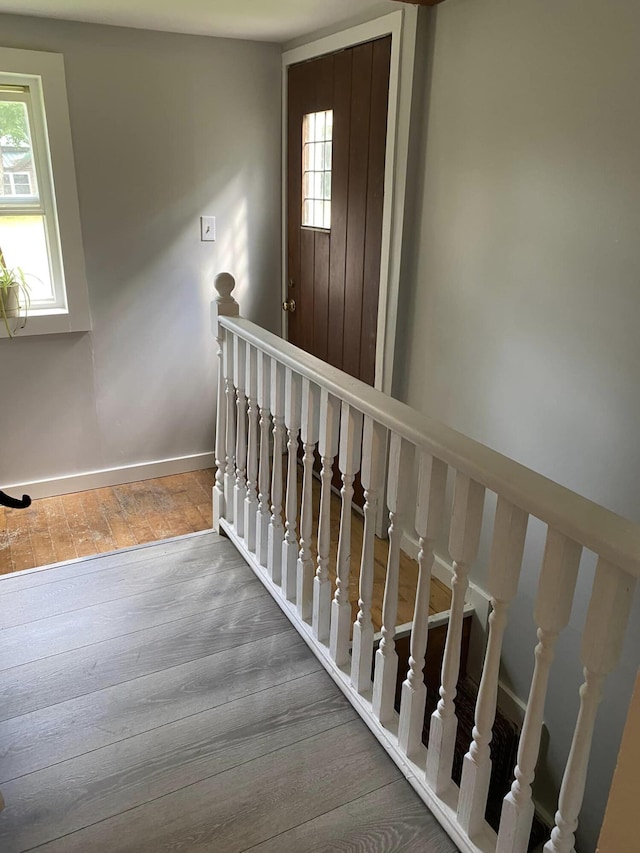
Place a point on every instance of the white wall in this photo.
(165, 128)
(522, 293)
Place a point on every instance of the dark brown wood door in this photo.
(334, 272)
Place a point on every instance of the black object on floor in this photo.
(14, 503)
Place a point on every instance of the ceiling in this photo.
(264, 20)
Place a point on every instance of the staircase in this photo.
(423, 477)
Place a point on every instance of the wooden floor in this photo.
(99, 520)
(93, 522)
(158, 700)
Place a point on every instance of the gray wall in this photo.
(522, 295)
(165, 128)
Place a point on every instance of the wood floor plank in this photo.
(57, 733)
(63, 596)
(439, 597)
(131, 773)
(5, 552)
(164, 514)
(97, 562)
(19, 540)
(134, 512)
(183, 500)
(77, 520)
(64, 676)
(240, 807)
(103, 538)
(206, 479)
(112, 511)
(41, 541)
(158, 606)
(58, 524)
(392, 819)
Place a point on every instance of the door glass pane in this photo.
(17, 169)
(23, 243)
(317, 130)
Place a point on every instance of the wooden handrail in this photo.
(607, 534)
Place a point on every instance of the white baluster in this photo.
(251, 500)
(432, 480)
(328, 449)
(230, 467)
(553, 608)
(293, 391)
(464, 538)
(276, 527)
(374, 441)
(240, 490)
(263, 515)
(401, 464)
(349, 460)
(309, 434)
(509, 532)
(602, 641)
(224, 306)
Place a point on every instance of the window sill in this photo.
(50, 322)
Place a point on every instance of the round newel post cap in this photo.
(224, 284)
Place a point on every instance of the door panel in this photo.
(342, 72)
(357, 205)
(334, 275)
(375, 199)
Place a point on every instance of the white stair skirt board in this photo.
(113, 476)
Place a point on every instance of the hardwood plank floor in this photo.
(134, 725)
(376, 821)
(95, 720)
(98, 521)
(93, 522)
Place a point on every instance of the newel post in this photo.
(223, 306)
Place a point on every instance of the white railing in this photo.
(268, 386)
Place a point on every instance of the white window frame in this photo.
(44, 74)
(12, 180)
(310, 221)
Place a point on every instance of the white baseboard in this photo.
(112, 476)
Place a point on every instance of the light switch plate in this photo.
(207, 228)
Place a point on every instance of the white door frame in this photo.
(402, 27)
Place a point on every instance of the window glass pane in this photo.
(317, 129)
(327, 214)
(16, 153)
(311, 125)
(24, 244)
(307, 213)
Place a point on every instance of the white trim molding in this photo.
(44, 74)
(402, 27)
(112, 476)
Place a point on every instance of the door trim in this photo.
(402, 27)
